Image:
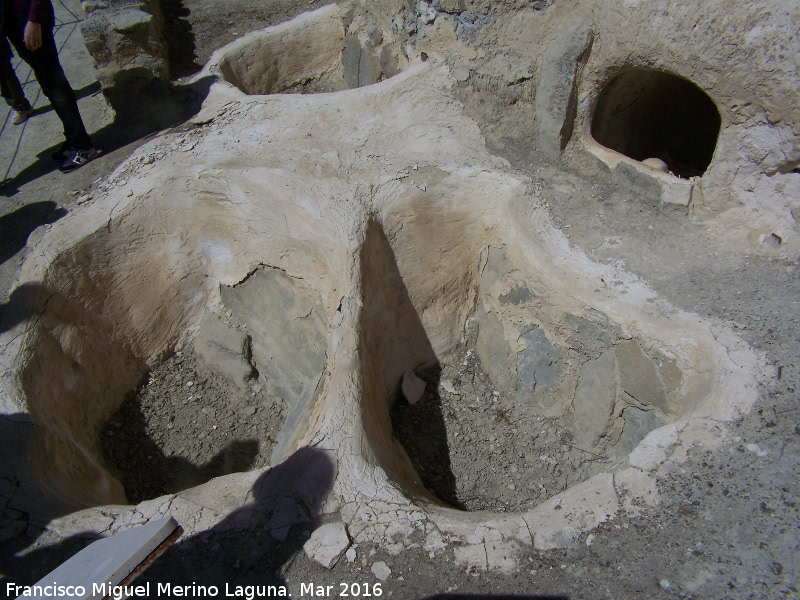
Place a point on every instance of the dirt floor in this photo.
(728, 525)
(186, 425)
(478, 449)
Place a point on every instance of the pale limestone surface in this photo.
(318, 187)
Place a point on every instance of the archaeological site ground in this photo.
(439, 299)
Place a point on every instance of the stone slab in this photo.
(639, 376)
(107, 561)
(595, 398)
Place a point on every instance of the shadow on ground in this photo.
(143, 469)
(16, 226)
(144, 105)
(250, 546)
(181, 47)
(422, 432)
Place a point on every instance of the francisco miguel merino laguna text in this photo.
(119, 592)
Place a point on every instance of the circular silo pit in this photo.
(313, 53)
(531, 402)
(221, 406)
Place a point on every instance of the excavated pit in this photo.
(219, 408)
(520, 403)
(313, 55)
(649, 114)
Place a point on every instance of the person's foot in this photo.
(75, 159)
(20, 116)
(60, 156)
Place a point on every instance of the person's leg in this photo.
(55, 86)
(11, 88)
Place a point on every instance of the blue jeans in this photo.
(47, 69)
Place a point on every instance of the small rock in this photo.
(131, 19)
(664, 583)
(280, 534)
(448, 386)
(756, 450)
(656, 164)
(327, 544)
(413, 387)
(381, 570)
(350, 555)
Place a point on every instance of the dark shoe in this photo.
(20, 116)
(76, 159)
(61, 155)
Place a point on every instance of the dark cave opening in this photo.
(646, 113)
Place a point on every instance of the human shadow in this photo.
(21, 305)
(143, 105)
(286, 507)
(16, 226)
(145, 472)
(87, 90)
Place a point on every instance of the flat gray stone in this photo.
(537, 365)
(640, 377)
(327, 544)
(223, 349)
(595, 397)
(351, 60)
(288, 332)
(638, 423)
(108, 561)
(588, 336)
(519, 294)
(131, 19)
(494, 351)
(369, 65)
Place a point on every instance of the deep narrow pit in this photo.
(645, 113)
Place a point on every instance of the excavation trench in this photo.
(220, 406)
(144, 386)
(166, 351)
(148, 376)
